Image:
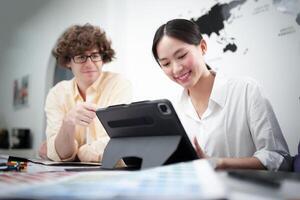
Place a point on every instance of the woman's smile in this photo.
(183, 77)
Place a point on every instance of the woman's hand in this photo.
(216, 163)
(198, 149)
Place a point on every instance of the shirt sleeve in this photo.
(121, 92)
(266, 132)
(55, 114)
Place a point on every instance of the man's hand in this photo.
(82, 114)
(87, 153)
(43, 151)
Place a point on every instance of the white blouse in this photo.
(239, 122)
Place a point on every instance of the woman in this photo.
(73, 131)
(229, 117)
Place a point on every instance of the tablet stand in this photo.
(152, 150)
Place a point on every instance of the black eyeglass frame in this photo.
(86, 57)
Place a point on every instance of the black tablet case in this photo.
(145, 134)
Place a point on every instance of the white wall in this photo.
(131, 25)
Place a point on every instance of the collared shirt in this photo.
(238, 122)
(108, 89)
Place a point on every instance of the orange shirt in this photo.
(109, 89)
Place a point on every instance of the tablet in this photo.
(151, 126)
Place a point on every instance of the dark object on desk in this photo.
(21, 139)
(53, 163)
(296, 161)
(64, 163)
(16, 159)
(14, 164)
(145, 134)
(264, 177)
(4, 139)
(87, 169)
(2, 164)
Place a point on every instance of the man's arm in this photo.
(65, 143)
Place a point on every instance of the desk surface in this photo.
(179, 181)
(192, 180)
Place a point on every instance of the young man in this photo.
(73, 130)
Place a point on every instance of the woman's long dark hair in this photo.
(181, 29)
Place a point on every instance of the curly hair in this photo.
(78, 39)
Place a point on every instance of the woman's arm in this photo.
(271, 147)
(239, 163)
(230, 163)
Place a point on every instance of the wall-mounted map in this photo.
(224, 14)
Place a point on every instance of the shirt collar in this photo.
(186, 104)
(218, 94)
(75, 89)
(94, 87)
(219, 90)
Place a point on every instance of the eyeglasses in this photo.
(95, 57)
